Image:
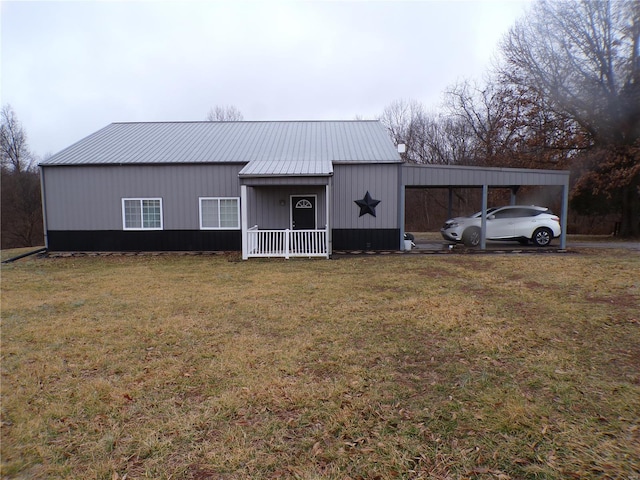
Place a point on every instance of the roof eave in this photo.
(284, 175)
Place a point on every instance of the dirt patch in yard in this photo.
(623, 300)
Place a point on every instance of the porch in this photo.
(289, 220)
(286, 243)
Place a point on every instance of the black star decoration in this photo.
(367, 205)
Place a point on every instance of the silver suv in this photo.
(515, 222)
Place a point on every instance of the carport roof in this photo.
(467, 176)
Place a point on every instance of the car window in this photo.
(532, 212)
(512, 212)
(519, 212)
(502, 214)
(547, 211)
(525, 212)
(508, 213)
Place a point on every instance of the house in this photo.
(303, 188)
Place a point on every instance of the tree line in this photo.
(564, 93)
(21, 214)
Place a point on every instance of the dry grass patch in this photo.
(365, 367)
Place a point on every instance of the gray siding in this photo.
(447, 175)
(351, 182)
(264, 207)
(89, 197)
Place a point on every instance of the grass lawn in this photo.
(388, 366)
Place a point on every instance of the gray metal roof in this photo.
(261, 168)
(269, 148)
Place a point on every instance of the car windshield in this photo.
(479, 214)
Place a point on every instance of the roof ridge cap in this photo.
(151, 122)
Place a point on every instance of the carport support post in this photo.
(450, 211)
(565, 212)
(483, 224)
(514, 193)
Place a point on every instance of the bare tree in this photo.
(14, 151)
(227, 113)
(21, 209)
(510, 126)
(20, 204)
(429, 138)
(582, 59)
(449, 141)
(400, 119)
(492, 118)
(408, 123)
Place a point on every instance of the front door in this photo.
(303, 212)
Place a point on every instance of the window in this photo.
(304, 203)
(219, 213)
(142, 213)
(505, 213)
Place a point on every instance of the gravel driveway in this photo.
(435, 245)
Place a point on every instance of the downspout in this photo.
(33, 252)
(401, 203)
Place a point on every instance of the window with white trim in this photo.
(219, 213)
(142, 213)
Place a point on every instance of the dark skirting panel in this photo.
(366, 239)
(144, 241)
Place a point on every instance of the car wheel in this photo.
(471, 237)
(542, 237)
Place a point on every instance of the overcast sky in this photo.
(71, 68)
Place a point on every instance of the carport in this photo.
(454, 176)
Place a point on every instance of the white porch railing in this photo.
(287, 243)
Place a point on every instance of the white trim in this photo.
(43, 197)
(315, 208)
(244, 221)
(286, 243)
(141, 199)
(237, 227)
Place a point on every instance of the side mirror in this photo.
(491, 217)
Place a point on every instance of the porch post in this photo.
(327, 192)
(286, 243)
(244, 221)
